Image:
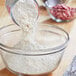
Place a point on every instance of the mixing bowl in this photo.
(33, 62)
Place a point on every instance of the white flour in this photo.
(28, 64)
(33, 64)
(25, 14)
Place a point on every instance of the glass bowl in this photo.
(17, 9)
(54, 18)
(33, 62)
(69, 3)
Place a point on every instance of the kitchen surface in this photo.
(70, 27)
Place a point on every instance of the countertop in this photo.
(70, 27)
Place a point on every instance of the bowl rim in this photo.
(53, 50)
